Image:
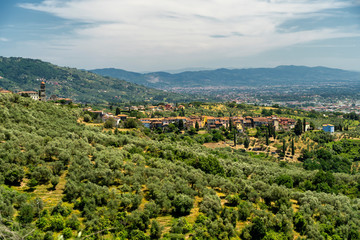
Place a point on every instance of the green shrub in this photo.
(182, 205)
(67, 233)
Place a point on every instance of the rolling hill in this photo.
(21, 74)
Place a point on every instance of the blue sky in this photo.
(151, 35)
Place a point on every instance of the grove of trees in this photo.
(140, 184)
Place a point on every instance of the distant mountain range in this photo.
(256, 77)
(103, 86)
(20, 74)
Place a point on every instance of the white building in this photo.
(32, 94)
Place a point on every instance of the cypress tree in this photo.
(181, 125)
(304, 125)
(117, 111)
(182, 112)
(246, 142)
(267, 138)
(271, 129)
(197, 126)
(230, 123)
(298, 127)
(292, 147)
(235, 138)
(284, 147)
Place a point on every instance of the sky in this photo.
(155, 35)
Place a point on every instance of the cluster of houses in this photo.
(40, 95)
(31, 94)
(105, 116)
(161, 107)
(188, 122)
(208, 122)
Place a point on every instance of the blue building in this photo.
(328, 128)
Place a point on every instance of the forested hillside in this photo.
(19, 74)
(61, 177)
(252, 77)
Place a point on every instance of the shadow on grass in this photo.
(30, 189)
(51, 189)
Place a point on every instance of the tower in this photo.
(42, 96)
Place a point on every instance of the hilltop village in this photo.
(40, 95)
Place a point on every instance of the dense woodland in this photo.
(60, 177)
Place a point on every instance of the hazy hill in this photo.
(18, 74)
(282, 75)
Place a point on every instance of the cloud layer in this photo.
(176, 33)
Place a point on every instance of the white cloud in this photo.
(176, 33)
(2, 39)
